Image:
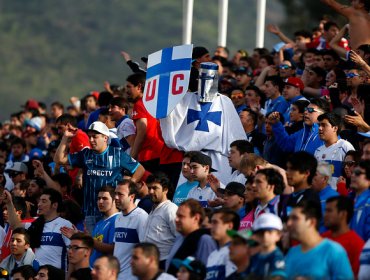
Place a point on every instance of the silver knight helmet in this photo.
(208, 82)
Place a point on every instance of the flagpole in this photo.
(187, 21)
(261, 14)
(222, 22)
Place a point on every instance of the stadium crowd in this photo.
(95, 190)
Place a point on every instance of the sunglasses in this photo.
(13, 174)
(352, 75)
(237, 96)
(284, 66)
(358, 172)
(311, 110)
(349, 163)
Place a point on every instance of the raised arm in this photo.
(61, 155)
(344, 10)
(14, 222)
(334, 43)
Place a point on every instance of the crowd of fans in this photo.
(92, 191)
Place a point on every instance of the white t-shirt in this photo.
(129, 230)
(53, 249)
(219, 265)
(334, 155)
(161, 228)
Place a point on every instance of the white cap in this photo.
(267, 221)
(18, 167)
(99, 127)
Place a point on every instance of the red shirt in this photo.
(153, 143)
(321, 44)
(352, 243)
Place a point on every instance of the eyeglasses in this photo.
(284, 66)
(352, 75)
(75, 248)
(349, 163)
(13, 174)
(358, 172)
(311, 110)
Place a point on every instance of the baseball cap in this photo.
(267, 221)
(35, 122)
(202, 159)
(199, 52)
(31, 104)
(17, 167)
(99, 127)
(243, 70)
(36, 153)
(295, 82)
(144, 59)
(245, 234)
(233, 188)
(191, 264)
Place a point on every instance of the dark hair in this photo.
(261, 51)
(332, 118)
(323, 104)
(149, 250)
(253, 115)
(269, 59)
(228, 216)
(273, 177)
(329, 24)
(26, 271)
(104, 98)
(311, 209)
(67, 119)
(195, 208)
(137, 79)
(20, 205)
(23, 231)
(132, 187)
(54, 197)
(302, 161)
(57, 104)
(303, 33)
(365, 164)
(108, 189)
(243, 146)
(53, 272)
(276, 81)
(343, 203)
(18, 141)
(255, 89)
(161, 178)
(301, 105)
(86, 239)
(190, 154)
(63, 179)
(331, 53)
(120, 102)
(41, 183)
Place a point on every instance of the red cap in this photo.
(31, 104)
(95, 94)
(295, 82)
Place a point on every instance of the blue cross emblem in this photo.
(163, 69)
(204, 116)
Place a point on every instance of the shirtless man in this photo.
(359, 20)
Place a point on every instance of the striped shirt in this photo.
(100, 170)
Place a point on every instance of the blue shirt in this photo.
(103, 232)
(100, 170)
(182, 191)
(328, 260)
(360, 221)
(277, 105)
(324, 194)
(268, 265)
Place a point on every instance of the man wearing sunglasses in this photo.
(17, 172)
(307, 139)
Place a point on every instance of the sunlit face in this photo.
(91, 104)
(105, 202)
(366, 152)
(101, 270)
(45, 207)
(289, 92)
(252, 98)
(242, 79)
(199, 172)
(268, 238)
(157, 193)
(298, 224)
(270, 89)
(311, 113)
(218, 227)
(185, 169)
(97, 141)
(133, 92)
(184, 221)
(77, 252)
(237, 97)
(261, 188)
(326, 130)
(330, 78)
(123, 197)
(234, 157)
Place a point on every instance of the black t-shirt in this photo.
(82, 274)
